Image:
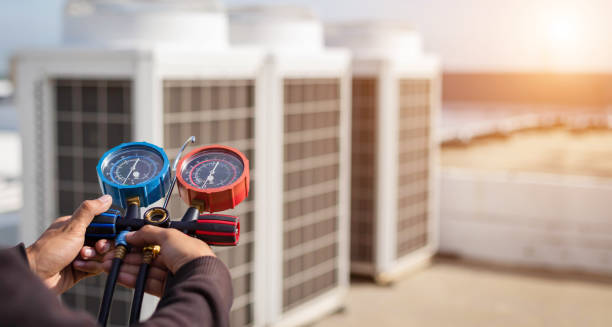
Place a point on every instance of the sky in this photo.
(25, 23)
(469, 35)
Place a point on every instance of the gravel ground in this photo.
(458, 294)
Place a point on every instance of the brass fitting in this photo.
(134, 200)
(120, 251)
(156, 216)
(199, 204)
(149, 253)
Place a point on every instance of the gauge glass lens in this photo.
(132, 166)
(212, 169)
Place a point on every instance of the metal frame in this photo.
(388, 71)
(35, 99)
(38, 129)
(147, 70)
(279, 66)
(231, 64)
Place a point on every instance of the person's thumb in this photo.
(147, 235)
(85, 213)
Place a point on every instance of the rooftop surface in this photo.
(556, 151)
(458, 294)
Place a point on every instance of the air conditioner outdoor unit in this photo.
(395, 104)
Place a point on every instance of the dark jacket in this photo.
(199, 294)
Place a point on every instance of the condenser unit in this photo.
(395, 104)
(139, 71)
(306, 93)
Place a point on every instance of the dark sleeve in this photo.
(199, 294)
(26, 301)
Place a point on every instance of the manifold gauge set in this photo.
(137, 175)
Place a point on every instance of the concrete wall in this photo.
(535, 220)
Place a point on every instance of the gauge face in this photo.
(211, 169)
(132, 165)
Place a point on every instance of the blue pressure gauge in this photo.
(136, 169)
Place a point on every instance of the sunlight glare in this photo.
(562, 30)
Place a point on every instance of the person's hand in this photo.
(51, 256)
(156, 278)
(177, 249)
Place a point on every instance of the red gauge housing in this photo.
(219, 198)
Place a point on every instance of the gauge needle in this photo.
(131, 170)
(211, 175)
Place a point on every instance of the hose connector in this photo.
(149, 253)
(121, 245)
(120, 251)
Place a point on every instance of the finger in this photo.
(86, 212)
(131, 260)
(87, 252)
(130, 274)
(91, 267)
(154, 272)
(108, 256)
(127, 279)
(159, 264)
(136, 259)
(147, 235)
(153, 286)
(103, 246)
(106, 265)
(133, 268)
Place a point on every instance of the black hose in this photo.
(121, 249)
(139, 290)
(109, 289)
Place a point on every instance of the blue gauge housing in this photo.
(135, 169)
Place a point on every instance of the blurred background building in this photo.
(306, 101)
(395, 104)
(524, 170)
(10, 170)
(534, 198)
(523, 131)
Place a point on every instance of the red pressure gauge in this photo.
(213, 178)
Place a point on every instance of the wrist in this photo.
(189, 258)
(31, 254)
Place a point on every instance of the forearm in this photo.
(199, 294)
(26, 301)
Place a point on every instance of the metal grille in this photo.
(39, 100)
(363, 161)
(311, 169)
(92, 116)
(218, 111)
(413, 175)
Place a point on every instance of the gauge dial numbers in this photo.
(212, 169)
(216, 177)
(134, 169)
(132, 166)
